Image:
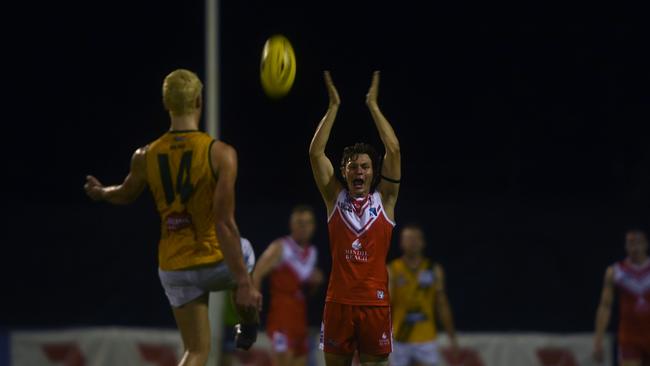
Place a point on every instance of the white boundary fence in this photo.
(158, 347)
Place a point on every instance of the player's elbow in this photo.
(315, 151)
(226, 226)
(392, 148)
(120, 197)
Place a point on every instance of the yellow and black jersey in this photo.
(182, 181)
(413, 298)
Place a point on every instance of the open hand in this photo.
(371, 97)
(94, 188)
(335, 100)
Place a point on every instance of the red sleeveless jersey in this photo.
(288, 306)
(360, 235)
(633, 284)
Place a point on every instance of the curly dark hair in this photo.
(353, 151)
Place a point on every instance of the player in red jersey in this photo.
(631, 278)
(290, 262)
(360, 223)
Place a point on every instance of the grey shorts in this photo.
(184, 286)
(425, 353)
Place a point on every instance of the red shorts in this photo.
(347, 328)
(285, 341)
(634, 351)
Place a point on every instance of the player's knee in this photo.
(375, 363)
(197, 357)
(199, 351)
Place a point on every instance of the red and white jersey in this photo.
(288, 305)
(633, 284)
(360, 235)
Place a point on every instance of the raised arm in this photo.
(604, 313)
(321, 165)
(391, 166)
(224, 159)
(444, 309)
(269, 260)
(125, 193)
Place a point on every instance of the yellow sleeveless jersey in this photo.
(413, 296)
(182, 181)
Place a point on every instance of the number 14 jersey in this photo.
(182, 181)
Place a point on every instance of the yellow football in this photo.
(278, 66)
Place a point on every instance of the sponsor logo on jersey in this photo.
(352, 255)
(356, 254)
(373, 211)
(177, 221)
(385, 340)
(380, 294)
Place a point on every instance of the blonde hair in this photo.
(181, 89)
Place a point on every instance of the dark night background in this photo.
(524, 134)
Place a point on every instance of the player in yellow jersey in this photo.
(418, 300)
(192, 179)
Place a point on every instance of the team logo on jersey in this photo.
(380, 294)
(356, 254)
(425, 278)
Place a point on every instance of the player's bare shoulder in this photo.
(222, 155)
(139, 162)
(140, 155)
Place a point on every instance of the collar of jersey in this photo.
(183, 131)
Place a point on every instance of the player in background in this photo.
(230, 321)
(418, 300)
(290, 263)
(360, 224)
(192, 179)
(630, 278)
